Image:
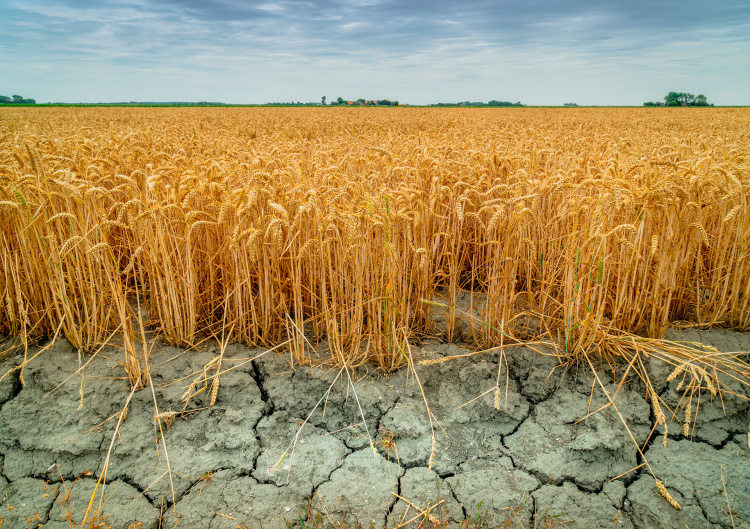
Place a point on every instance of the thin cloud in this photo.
(596, 52)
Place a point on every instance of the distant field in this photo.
(571, 225)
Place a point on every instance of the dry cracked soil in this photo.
(281, 443)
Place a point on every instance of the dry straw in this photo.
(580, 228)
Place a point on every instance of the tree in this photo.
(323, 100)
(671, 99)
(17, 100)
(340, 100)
(686, 99)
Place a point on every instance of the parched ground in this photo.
(244, 462)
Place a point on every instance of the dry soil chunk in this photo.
(493, 491)
(556, 447)
(409, 424)
(474, 426)
(567, 506)
(60, 433)
(50, 465)
(424, 489)
(452, 390)
(615, 491)
(539, 374)
(221, 436)
(226, 502)
(48, 435)
(330, 402)
(725, 340)
(694, 470)
(305, 458)
(26, 502)
(122, 507)
(360, 490)
(649, 509)
(65, 420)
(10, 384)
(211, 439)
(743, 441)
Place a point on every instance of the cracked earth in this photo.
(247, 462)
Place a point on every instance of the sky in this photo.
(538, 52)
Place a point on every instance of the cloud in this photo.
(603, 52)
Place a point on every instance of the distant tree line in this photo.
(165, 104)
(16, 100)
(680, 99)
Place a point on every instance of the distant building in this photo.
(372, 102)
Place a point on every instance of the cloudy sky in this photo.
(539, 52)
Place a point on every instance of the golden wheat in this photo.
(343, 226)
(667, 496)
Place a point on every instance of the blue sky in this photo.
(540, 52)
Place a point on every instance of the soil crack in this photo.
(394, 500)
(141, 492)
(258, 377)
(453, 494)
(45, 517)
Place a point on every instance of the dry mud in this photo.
(532, 463)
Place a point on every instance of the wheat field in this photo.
(353, 226)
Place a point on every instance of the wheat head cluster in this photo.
(353, 226)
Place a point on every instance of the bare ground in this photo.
(244, 462)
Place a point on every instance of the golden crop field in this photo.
(576, 226)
